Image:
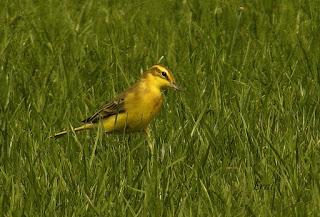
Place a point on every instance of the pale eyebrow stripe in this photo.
(161, 68)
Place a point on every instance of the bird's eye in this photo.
(164, 74)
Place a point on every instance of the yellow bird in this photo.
(133, 109)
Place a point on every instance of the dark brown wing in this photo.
(109, 109)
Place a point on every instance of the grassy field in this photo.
(243, 139)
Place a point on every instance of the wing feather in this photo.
(117, 106)
(112, 108)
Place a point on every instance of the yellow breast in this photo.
(141, 106)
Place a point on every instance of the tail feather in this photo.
(81, 128)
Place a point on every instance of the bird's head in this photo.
(160, 76)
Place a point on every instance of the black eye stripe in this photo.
(164, 74)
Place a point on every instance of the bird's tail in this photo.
(81, 128)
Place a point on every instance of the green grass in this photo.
(243, 139)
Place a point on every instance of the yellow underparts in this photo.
(140, 106)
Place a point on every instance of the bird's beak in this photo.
(174, 86)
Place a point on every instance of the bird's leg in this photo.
(149, 139)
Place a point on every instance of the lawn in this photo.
(241, 139)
